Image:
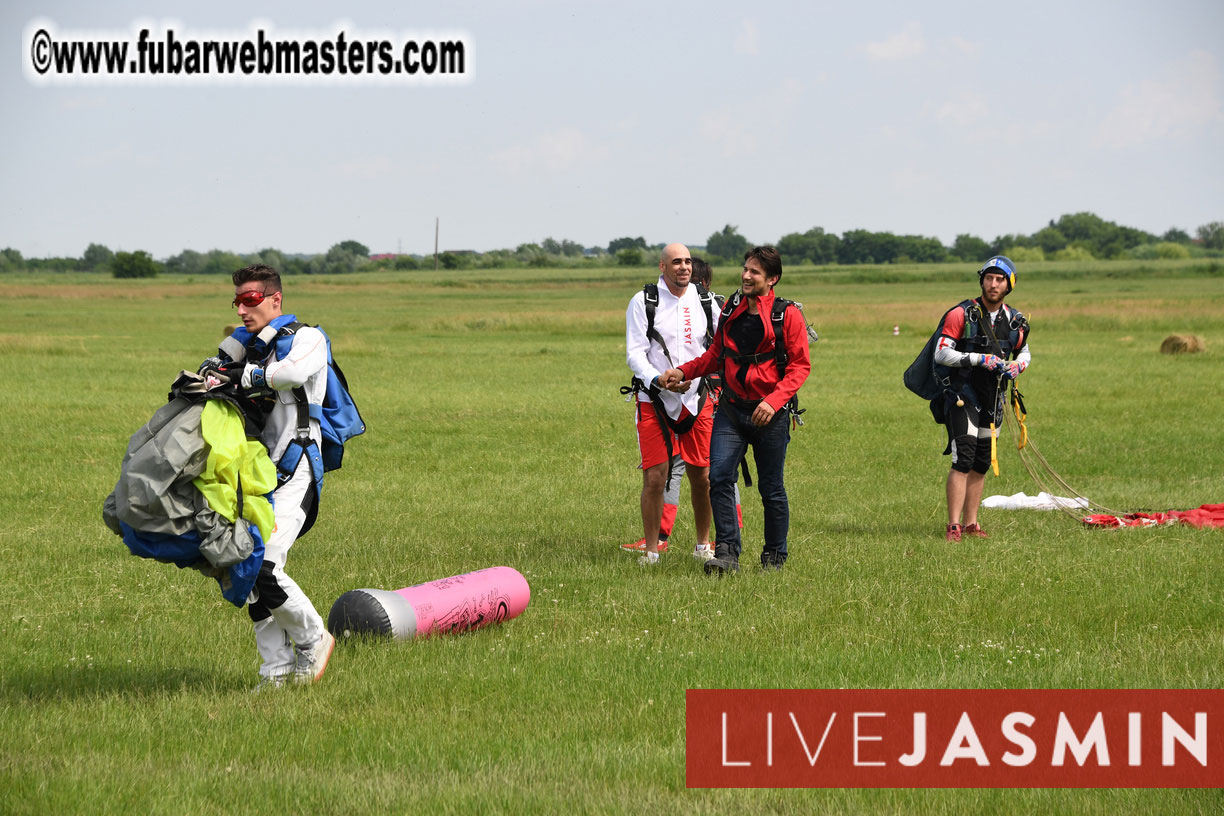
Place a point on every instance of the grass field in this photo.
(497, 436)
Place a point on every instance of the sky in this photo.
(596, 120)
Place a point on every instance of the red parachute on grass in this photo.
(1205, 515)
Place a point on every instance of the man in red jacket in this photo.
(759, 384)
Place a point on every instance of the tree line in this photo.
(1073, 237)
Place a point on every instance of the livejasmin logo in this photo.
(1062, 738)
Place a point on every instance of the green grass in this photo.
(498, 436)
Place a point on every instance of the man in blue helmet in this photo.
(982, 343)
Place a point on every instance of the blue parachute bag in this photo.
(183, 551)
(338, 416)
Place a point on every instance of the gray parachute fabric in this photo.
(160, 514)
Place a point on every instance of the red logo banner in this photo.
(955, 738)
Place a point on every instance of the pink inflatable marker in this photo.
(456, 604)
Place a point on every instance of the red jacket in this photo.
(761, 378)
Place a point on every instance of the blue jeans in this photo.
(732, 434)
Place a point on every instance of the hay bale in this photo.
(1181, 344)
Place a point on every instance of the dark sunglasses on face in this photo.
(249, 299)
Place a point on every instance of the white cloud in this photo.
(367, 168)
(555, 151)
(734, 133)
(748, 40)
(966, 110)
(966, 47)
(910, 179)
(1181, 105)
(906, 44)
(730, 130)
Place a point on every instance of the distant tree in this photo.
(618, 244)
(532, 256)
(220, 262)
(970, 248)
(499, 259)
(341, 259)
(405, 262)
(864, 246)
(1075, 252)
(1172, 249)
(268, 257)
(629, 256)
(1085, 227)
(11, 258)
(355, 248)
(855, 247)
(137, 264)
(1176, 236)
(1024, 254)
(1050, 239)
(187, 262)
(1104, 239)
(1001, 244)
(794, 248)
(728, 243)
(814, 246)
(294, 266)
(822, 245)
(921, 249)
(1212, 235)
(571, 249)
(550, 246)
(96, 256)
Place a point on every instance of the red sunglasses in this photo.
(250, 299)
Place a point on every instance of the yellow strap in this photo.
(1020, 418)
(994, 453)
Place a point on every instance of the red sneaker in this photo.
(974, 530)
(639, 546)
(953, 533)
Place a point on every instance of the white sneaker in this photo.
(649, 559)
(270, 682)
(313, 661)
(703, 553)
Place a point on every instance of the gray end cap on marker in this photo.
(372, 612)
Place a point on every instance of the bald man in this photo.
(670, 423)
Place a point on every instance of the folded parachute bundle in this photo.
(193, 490)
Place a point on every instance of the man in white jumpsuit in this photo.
(670, 423)
(292, 640)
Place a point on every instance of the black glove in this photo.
(211, 364)
(225, 371)
(233, 371)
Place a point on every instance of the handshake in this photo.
(673, 380)
(1009, 370)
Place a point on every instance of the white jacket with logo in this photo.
(681, 322)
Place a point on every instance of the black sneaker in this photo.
(770, 563)
(721, 565)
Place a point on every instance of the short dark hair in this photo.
(701, 272)
(263, 273)
(769, 259)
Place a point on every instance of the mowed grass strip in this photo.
(497, 436)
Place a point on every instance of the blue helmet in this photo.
(1000, 264)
